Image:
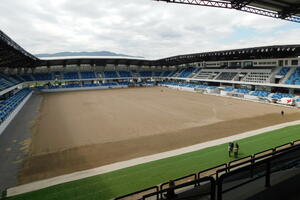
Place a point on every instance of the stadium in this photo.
(134, 128)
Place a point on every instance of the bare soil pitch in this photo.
(82, 130)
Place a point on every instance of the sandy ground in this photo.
(87, 129)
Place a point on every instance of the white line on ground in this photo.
(129, 163)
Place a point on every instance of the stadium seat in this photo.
(261, 93)
(8, 105)
(42, 76)
(243, 91)
(187, 72)
(110, 74)
(87, 75)
(283, 71)
(125, 74)
(146, 74)
(294, 79)
(282, 95)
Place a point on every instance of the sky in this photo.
(137, 27)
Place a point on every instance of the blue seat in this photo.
(71, 75)
(125, 74)
(87, 75)
(187, 72)
(110, 74)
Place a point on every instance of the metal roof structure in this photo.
(265, 52)
(12, 55)
(282, 9)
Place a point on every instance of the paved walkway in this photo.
(14, 142)
(124, 164)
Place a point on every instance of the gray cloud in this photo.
(137, 27)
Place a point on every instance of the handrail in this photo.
(215, 167)
(271, 149)
(290, 143)
(178, 179)
(194, 182)
(137, 192)
(296, 141)
(231, 163)
(254, 161)
(266, 161)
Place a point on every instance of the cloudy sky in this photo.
(137, 27)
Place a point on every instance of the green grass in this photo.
(120, 182)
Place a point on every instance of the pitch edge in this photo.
(129, 163)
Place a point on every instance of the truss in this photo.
(241, 5)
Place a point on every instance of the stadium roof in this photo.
(283, 9)
(266, 52)
(12, 55)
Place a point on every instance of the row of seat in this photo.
(260, 93)
(8, 81)
(8, 105)
(187, 72)
(257, 93)
(228, 89)
(294, 79)
(282, 95)
(260, 77)
(89, 75)
(243, 91)
(283, 71)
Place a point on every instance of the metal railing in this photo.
(246, 170)
(163, 193)
(259, 169)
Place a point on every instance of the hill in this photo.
(83, 53)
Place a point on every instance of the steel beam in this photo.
(238, 5)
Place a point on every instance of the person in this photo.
(230, 148)
(170, 192)
(282, 113)
(236, 150)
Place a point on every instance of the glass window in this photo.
(294, 62)
(286, 62)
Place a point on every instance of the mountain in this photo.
(95, 53)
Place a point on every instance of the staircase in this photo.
(273, 75)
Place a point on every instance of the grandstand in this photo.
(161, 119)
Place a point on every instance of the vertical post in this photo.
(212, 189)
(157, 193)
(252, 165)
(198, 179)
(268, 175)
(219, 189)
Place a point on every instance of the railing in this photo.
(139, 194)
(245, 170)
(163, 194)
(179, 180)
(208, 172)
(262, 168)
